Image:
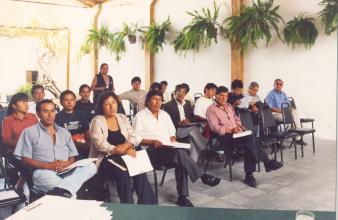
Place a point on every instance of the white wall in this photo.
(309, 75)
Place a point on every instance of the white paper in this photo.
(245, 102)
(56, 208)
(242, 134)
(8, 195)
(139, 164)
(177, 145)
(79, 163)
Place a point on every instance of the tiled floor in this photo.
(304, 184)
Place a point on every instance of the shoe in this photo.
(210, 180)
(60, 192)
(250, 180)
(272, 165)
(184, 202)
(300, 142)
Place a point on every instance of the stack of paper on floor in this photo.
(59, 208)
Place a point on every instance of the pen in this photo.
(33, 207)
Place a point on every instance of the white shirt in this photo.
(32, 108)
(181, 109)
(254, 98)
(201, 106)
(148, 126)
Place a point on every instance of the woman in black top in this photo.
(111, 137)
(102, 82)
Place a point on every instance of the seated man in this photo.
(47, 149)
(252, 94)
(75, 122)
(236, 95)
(133, 95)
(182, 116)
(84, 104)
(275, 99)
(224, 122)
(166, 95)
(202, 103)
(38, 94)
(155, 128)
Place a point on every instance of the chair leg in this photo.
(313, 143)
(230, 170)
(295, 145)
(275, 150)
(302, 146)
(281, 152)
(163, 177)
(155, 184)
(206, 165)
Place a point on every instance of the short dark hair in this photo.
(103, 64)
(45, 101)
(16, 98)
(164, 82)
(84, 86)
(136, 79)
(237, 84)
(221, 89)
(278, 80)
(36, 87)
(155, 86)
(66, 92)
(103, 97)
(152, 93)
(209, 86)
(182, 86)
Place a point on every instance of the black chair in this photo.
(197, 96)
(302, 120)
(164, 168)
(289, 124)
(270, 135)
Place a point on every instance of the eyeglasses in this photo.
(279, 84)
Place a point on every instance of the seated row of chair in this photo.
(110, 135)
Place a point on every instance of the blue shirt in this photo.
(37, 144)
(276, 99)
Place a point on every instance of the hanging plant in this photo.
(300, 31)
(117, 45)
(202, 29)
(155, 35)
(130, 31)
(253, 24)
(329, 15)
(101, 37)
(85, 49)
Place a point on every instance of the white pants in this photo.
(47, 180)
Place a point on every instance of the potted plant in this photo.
(130, 32)
(117, 44)
(155, 35)
(101, 37)
(200, 32)
(300, 31)
(329, 15)
(253, 24)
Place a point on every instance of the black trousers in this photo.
(253, 151)
(142, 186)
(184, 166)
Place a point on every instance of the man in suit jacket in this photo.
(182, 115)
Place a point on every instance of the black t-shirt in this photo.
(75, 123)
(233, 98)
(87, 108)
(115, 137)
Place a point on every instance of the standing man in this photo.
(38, 94)
(102, 82)
(84, 104)
(47, 149)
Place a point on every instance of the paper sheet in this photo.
(140, 164)
(79, 163)
(8, 195)
(177, 145)
(245, 133)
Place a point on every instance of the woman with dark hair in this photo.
(16, 121)
(111, 137)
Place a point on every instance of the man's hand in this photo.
(131, 152)
(61, 165)
(173, 139)
(237, 130)
(236, 103)
(157, 144)
(185, 122)
(52, 165)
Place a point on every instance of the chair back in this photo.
(246, 119)
(287, 117)
(292, 102)
(197, 96)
